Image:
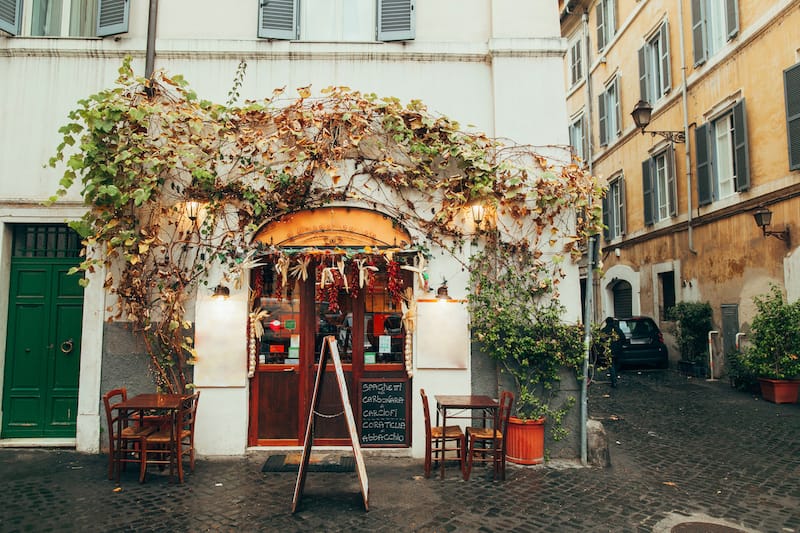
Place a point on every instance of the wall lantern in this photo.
(192, 210)
(763, 217)
(642, 113)
(441, 292)
(478, 212)
(221, 292)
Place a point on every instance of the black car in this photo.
(643, 343)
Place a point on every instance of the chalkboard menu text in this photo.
(384, 412)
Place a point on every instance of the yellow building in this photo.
(722, 81)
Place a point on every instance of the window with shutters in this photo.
(723, 161)
(606, 18)
(614, 209)
(64, 18)
(337, 20)
(714, 22)
(609, 119)
(576, 60)
(654, 67)
(659, 186)
(577, 137)
(791, 83)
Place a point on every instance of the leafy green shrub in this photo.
(774, 339)
(694, 323)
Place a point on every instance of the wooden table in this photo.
(159, 404)
(470, 402)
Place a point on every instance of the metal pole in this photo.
(711, 355)
(587, 328)
(150, 54)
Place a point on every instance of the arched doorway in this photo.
(309, 288)
(623, 299)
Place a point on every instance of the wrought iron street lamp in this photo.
(763, 217)
(641, 114)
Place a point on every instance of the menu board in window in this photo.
(384, 411)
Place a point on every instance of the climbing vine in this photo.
(144, 157)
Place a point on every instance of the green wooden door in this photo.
(40, 387)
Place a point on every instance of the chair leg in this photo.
(142, 460)
(468, 469)
(428, 459)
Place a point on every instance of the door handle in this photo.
(288, 369)
(66, 346)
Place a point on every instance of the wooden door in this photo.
(40, 387)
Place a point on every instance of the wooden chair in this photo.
(170, 444)
(123, 430)
(487, 445)
(439, 440)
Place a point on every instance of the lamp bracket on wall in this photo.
(641, 114)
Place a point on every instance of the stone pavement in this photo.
(687, 456)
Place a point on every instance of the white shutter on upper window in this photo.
(396, 20)
(112, 17)
(277, 19)
(11, 16)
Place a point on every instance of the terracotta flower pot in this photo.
(779, 390)
(525, 441)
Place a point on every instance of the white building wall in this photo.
(495, 66)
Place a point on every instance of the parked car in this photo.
(643, 343)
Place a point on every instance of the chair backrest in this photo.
(189, 411)
(504, 412)
(427, 413)
(110, 400)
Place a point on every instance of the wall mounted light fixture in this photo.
(642, 113)
(478, 212)
(221, 292)
(441, 292)
(763, 217)
(192, 210)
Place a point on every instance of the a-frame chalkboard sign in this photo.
(329, 347)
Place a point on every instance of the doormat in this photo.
(316, 463)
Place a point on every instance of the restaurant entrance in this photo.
(295, 306)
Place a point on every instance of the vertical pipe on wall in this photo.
(684, 99)
(150, 55)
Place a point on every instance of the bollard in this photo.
(711, 355)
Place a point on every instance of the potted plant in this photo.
(773, 351)
(693, 322)
(518, 321)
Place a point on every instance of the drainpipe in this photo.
(588, 316)
(684, 100)
(150, 54)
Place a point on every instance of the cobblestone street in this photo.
(682, 450)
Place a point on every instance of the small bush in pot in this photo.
(693, 324)
(773, 349)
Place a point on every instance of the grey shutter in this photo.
(11, 16)
(672, 182)
(731, 18)
(605, 218)
(643, 74)
(112, 17)
(623, 220)
(647, 191)
(704, 187)
(277, 19)
(616, 110)
(585, 136)
(791, 88)
(741, 150)
(396, 20)
(666, 76)
(600, 10)
(699, 31)
(602, 120)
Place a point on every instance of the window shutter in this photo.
(277, 19)
(704, 188)
(623, 220)
(672, 182)
(112, 17)
(616, 111)
(647, 191)
(731, 18)
(643, 74)
(699, 31)
(601, 25)
(11, 16)
(396, 20)
(585, 137)
(602, 120)
(666, 77)
(606, 235)
(791, 87)
(741, 151)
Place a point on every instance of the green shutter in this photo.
(791, 87)
(642, 53)
(647, 191)
(731, 18)
(672, 182)
(665, 66)
(601, 23)
(602, 121)
(705, 190)
(740, 146)
(605, 217)
(396, 20)
(11, 16)
(112, 17)
(277, 19)
(699, 31)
